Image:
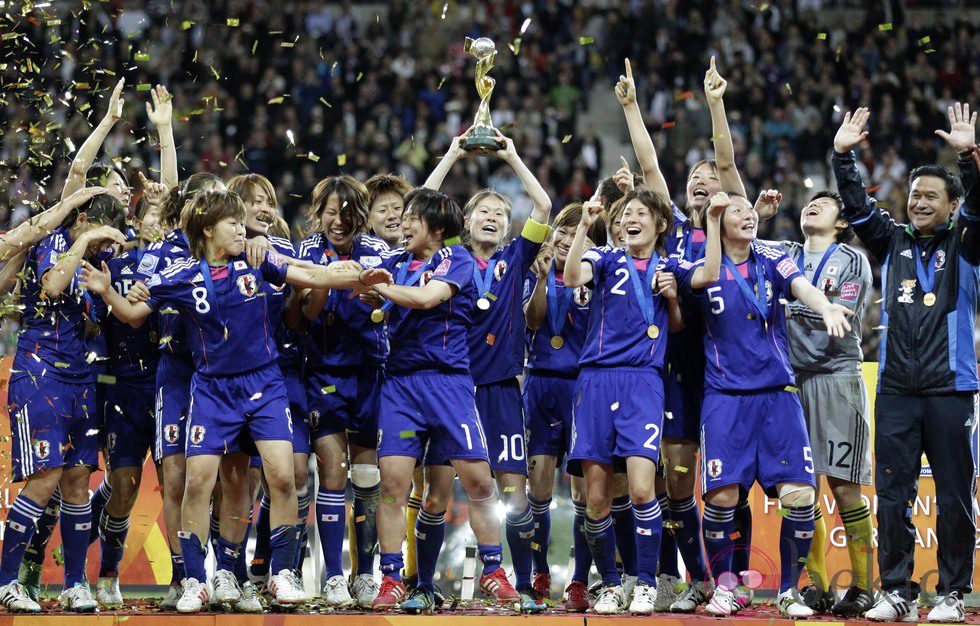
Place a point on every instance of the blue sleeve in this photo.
(49, 250)
(274, 268)
(524, 253)
(598, 258)
(530, 280)
(163, 290)
(457, 270)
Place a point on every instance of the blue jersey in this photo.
(743, 352)
(52, 338)
(619, 334)
(567, 308)
(228, 324)
(433, 339)
(496, 339)
(160, 255)
(343, 335)
(684, 239)
(288, 341)
(133, 352)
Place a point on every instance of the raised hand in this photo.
(666, 285)
(83, 195)
(96, 280)
(768, 202)
(590, 211)
(161, 110)
(455, 150)
(623, 177)
(714, 84)
(851, 131)
(106, 234)
(542, 263)
(962, 135)
(507, 151)
(152, 190)
(256, 249)
(719, 202)
(116, 102)
(626, 88)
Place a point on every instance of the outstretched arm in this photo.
(446, 163)
(643, 146)
(541, 212)
(90, 149)
(579, 272)
(710, 272)
(721, 134)
(35, 229)
(434, 293)
(161, 115)
(962, 138)
(100, 281)
(56, 280)
(320, 277)
(834, 315)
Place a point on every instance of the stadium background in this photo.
(298, 89)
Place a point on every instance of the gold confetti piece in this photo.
(341, 160)
(142, 56)
(186, 24)
(510, 489)
(144, 87)
(566, 139)
(53, 22)
(286, 44)
(105, 379)
(783, 511)
(328, 389)
(277, 100)
(681, 469)
(406, 434)
(232, 21)
(821, 35)
(536, 546)
(9, 36)
(445, 8)
(255, 44)
(789, 89)
(884, 27)
(441, 81)
(527, 22)
(515, 47)
(289, 136)
(360, 518)
(584, 41)
(313, 157)
(925, 40)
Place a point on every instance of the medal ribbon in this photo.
(759, 298)
(643, 288)
(483, 282)
(927, 275)
(557, 307)
(209, 285)
(400, 279)
(823, 261)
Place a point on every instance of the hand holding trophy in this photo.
(483, 136)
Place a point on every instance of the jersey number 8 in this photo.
(200, 295)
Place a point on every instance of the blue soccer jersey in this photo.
(555, 348)
(619, 334)
(159, 256)
(133, 352)
(746, 350)
(52, 339)
(496, 339)
(226, 315)
(435, 339)
(343, 335)
(288, 341)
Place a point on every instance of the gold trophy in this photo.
(484, 135)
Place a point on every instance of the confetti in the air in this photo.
(584, 41)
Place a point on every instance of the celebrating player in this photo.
(557, 317)
(386, 193)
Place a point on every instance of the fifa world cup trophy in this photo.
(484, 135)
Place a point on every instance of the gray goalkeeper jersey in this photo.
(845, 279)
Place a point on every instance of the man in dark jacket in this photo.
(927, 372)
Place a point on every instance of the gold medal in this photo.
(557, 342)
(483, 304)
(929, 299)
(652, 331)
(377, 316)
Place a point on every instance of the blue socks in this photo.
(98, 502)
(743, 536)
(282, 546)
(541, 510)
(718, 524)
(795, 535)
(520, 533)
(622, 519)
(20, 528)
(193, 551)
(260, 559)
(668, 546)
(583, 555)
(38, 543)
(491, 556)
(366, 525)
(331, 521)
(241, 567)
(303, 506)
(113, 531)
(76, 526)
(176, 569)
(602, 543)
(648, 523)
(430, 530)
(687, 533)
(226, 555)
(392, 564)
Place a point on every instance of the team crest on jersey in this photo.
(500, 269)
(907, 287)
(314, 419)
(42, 448)
(247, 285)
(426, 277)
(714, 468)
(940, 259)
(583, 295)
(197, 434)
(828, 284)
(110, 441)
(768, 290)
(171, 433)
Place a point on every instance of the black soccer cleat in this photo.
(855, 602)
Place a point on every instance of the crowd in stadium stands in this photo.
(300, 89)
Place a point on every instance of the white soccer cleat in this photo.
(722, 603)
(336, 594)
(14, 597)
(611, 600)
(668, 590)
(286, 588)
(629, 582)
(364, 588)
(792, 608)
(107, 592)
(644, 600)
(948, 609)
(194, 596)
(78, 599)
(892, 607)
(249, 602)
(169, 602)
(690, 599)
(226, 589)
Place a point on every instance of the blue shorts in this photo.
(297, 409)
(52, 424)
(230, 413)
(501, 412)
(130, 424)
(754, 436)
(430, 415)
(172, 403)
(548, 407)
(683, 396)
(345, 402)
(618, 413)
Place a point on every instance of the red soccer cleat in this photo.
(390, 595)
(497, 585)
(576, 597)
(542, 584)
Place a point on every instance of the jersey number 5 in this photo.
(200, 295)
(717, 303)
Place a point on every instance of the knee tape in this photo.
(365, 476)
(795, 494)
